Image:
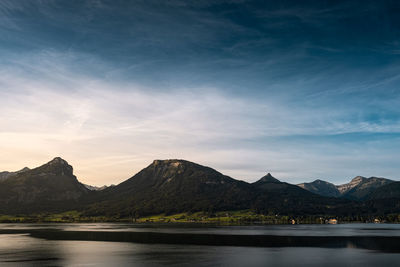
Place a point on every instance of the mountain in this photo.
(359, 188)
(322, 188)
(362, 187)
(344, 188)
(173, 186)
(275, 197)
(5, 175)
(49, 187)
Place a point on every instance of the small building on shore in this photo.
(332, 221)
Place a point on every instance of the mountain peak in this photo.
(58, 160)
(269, 179)
(57, 166)
(268, 176)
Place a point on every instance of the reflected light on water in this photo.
(24, 250)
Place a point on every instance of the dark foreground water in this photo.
(191, 245)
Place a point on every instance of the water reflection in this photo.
(63, 245)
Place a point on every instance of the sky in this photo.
(302, 89)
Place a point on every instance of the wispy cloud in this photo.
(110, 129)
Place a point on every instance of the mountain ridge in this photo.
(175, 186)
(358, 188)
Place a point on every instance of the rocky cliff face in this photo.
(353, 183)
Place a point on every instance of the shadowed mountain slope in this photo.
(385, 199)
(391, 190)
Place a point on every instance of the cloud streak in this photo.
(242, 86)
(110, 130)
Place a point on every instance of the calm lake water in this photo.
(196, 245)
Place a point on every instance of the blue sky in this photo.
(302, 89)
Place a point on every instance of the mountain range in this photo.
(359, 188)
(175, 186)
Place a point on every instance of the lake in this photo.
(114, 244)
